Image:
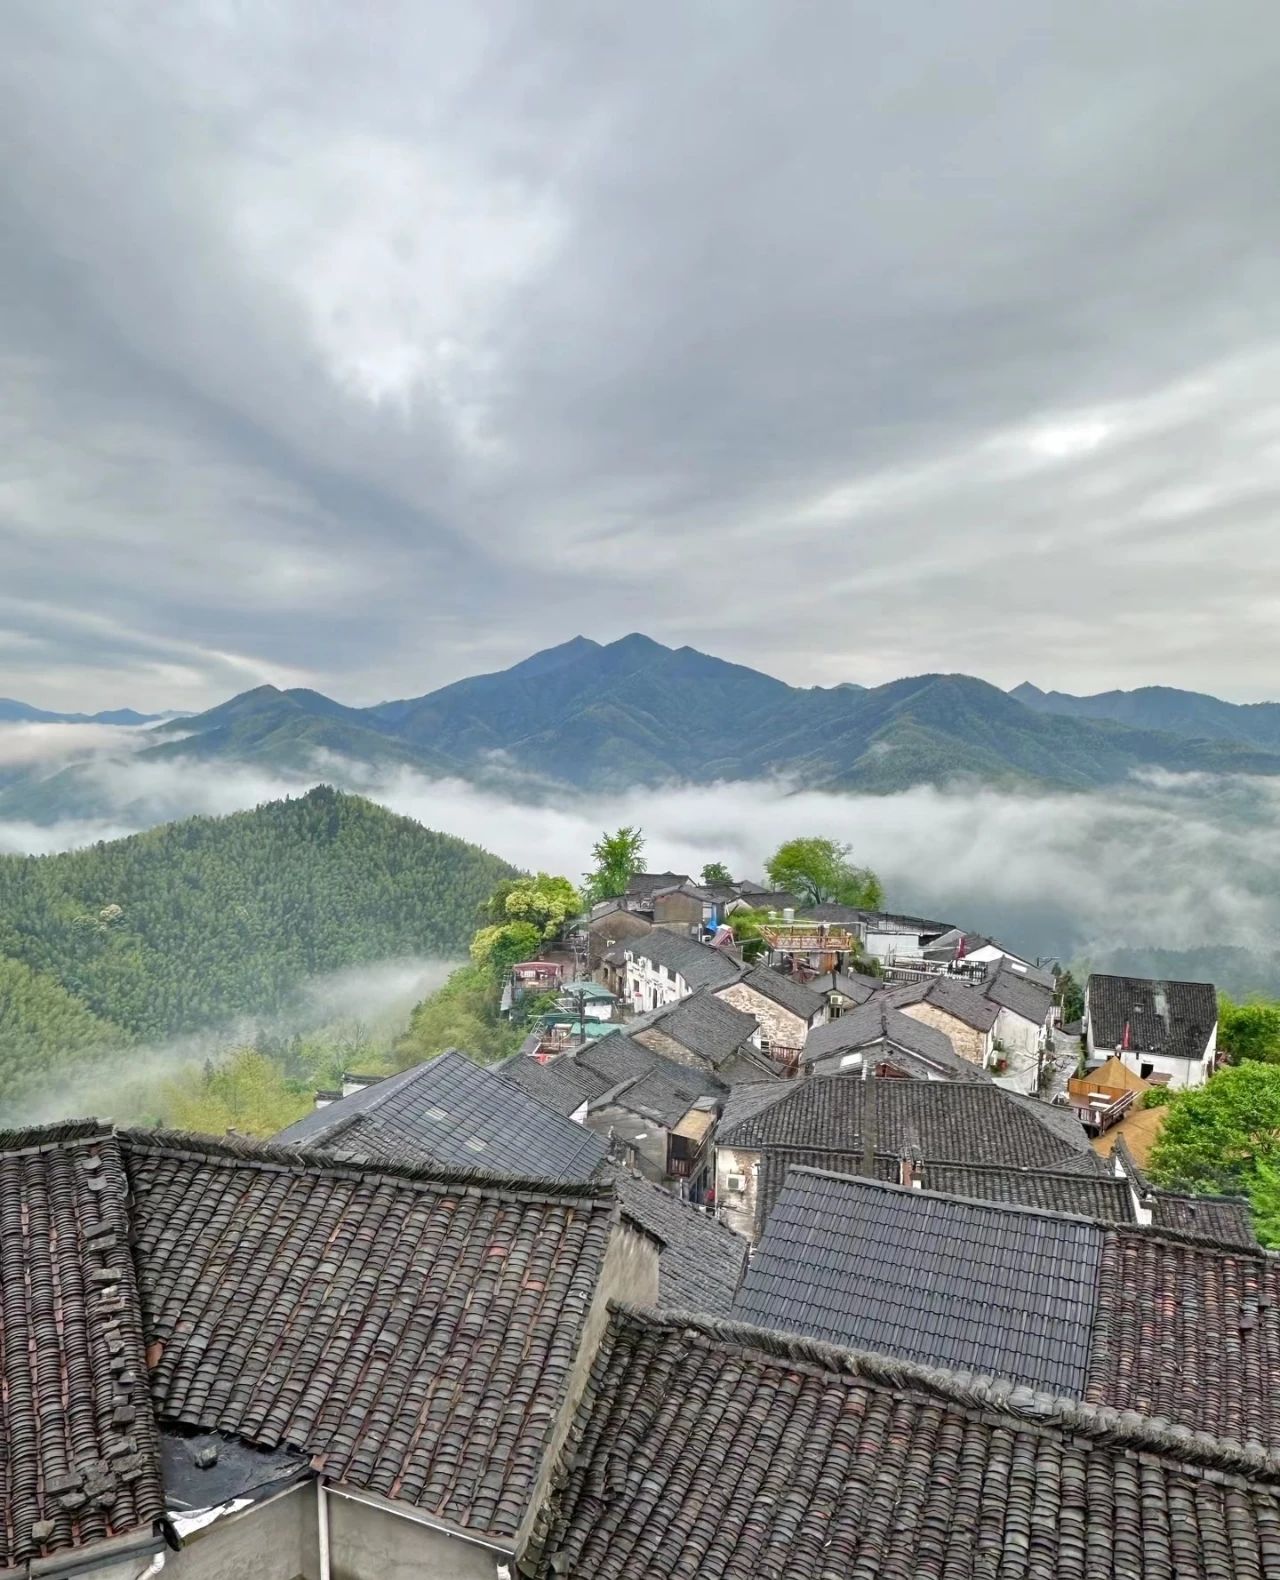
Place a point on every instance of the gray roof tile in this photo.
(970, 1286)
(877, 1021)
(699, 964)
(702, 1261)
(720, 1451)
(459, 1114)
(702, 1023)
(1169, 1018)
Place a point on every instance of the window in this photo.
(850, 1058)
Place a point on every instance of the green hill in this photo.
(184, 926)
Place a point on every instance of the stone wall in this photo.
(968, 1042)
(777, 1025)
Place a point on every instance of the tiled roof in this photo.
(561, 1083)
(786, 991)
(1054, 1190)
(713, 1451)
(965, 1004)
(852, 984)
(1226, 1219)
(458, 1113)
(968, 1121)
(412, 1332)
(646, 883)
(777, 1163)
(702, 1261)
(878, 1021)
(79, 1456)
(648, 1083)
(704, 1024)
(1173, 1019)
(969, 1286)
(1019, 994)
(1190, 1331)
(698, 964)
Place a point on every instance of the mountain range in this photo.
(592, 717)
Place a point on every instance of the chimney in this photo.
(908, 1174)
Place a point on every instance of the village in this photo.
(817, 1253)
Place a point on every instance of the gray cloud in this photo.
(845, 343)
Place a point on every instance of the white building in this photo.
(1166, 1032)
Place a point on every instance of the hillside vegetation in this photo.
(608, 718)
(179, 928)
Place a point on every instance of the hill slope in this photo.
(633, 712)
(1165, 708)
(190, 923)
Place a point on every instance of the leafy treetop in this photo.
(617, 858)
(1225, 1136)
(818, 871)
(716, 872)
(1250, 1030)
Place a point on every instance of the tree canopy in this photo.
(818, 871)
(194, 923)
(1225, 1137)
(1250, 1030)
(617, 858)
(716, 872)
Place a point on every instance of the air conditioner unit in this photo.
(735, 1182)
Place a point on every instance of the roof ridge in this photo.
(36, 1138)
(382, 1092)
(995, 1396)
(250, 1151)
(1145, 1231)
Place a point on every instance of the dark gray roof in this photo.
(717, 1451)
(852, 916)
(698, 964)
(970, 1286)
(702, 1261)
(878, 1022)
(1053, 1190)
(1019, 994)
(786, 991)
(777, 1163)
(1226, 1219)
(1173, 1019)
(456, 1113)
(968, 1121)
(648, 1083)
(945, 993)
(561, 1083)
(855, 985)
(702, 1023)
(643, 884)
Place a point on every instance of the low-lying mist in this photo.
(1167, 863)
(366, 1005)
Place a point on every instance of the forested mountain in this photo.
(193, 922)
(1165, 708)
(13, 712)
(606, 718)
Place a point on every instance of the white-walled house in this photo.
(1166, 1032)
(664, 967)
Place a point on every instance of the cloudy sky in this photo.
(368, 347)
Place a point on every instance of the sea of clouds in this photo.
(1171, 862)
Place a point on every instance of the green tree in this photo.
(548, 902)
(1250, 1030)
(1264, 1198)
(1071, 997)
(1215, 1136)
(462, 1014)
(497, 949)
(716, 872)
(245, 1092)
(617, 857)
(818, 871)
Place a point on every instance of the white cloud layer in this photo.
(1174, 862)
